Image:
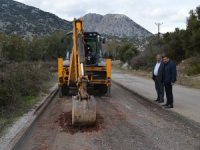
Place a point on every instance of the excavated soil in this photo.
(65, 122)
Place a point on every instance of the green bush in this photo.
(138, 62)
(193, 69)
(19, 82)
(126, 51)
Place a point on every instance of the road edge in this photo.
(35, 115)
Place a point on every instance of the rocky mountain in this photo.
(20, 19)
(116, 25)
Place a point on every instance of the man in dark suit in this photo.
(169, 79)
(157, 76)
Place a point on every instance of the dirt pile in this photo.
(65, 122)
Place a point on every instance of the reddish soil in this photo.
(65, 122)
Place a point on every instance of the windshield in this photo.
(94, 47)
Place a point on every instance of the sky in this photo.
(170, 13)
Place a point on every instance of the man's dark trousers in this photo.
(169, 94)
(159, 89)
(169, 78)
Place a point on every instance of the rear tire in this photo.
(101, 88)
(63, 90)
(60, 92)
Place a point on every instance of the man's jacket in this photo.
(160, 72)
(169, 72)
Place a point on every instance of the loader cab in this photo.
(93, 48)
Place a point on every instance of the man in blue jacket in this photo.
(169, 78)
(157, 76)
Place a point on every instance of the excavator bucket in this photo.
(83, 111)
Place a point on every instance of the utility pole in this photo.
(158, 24)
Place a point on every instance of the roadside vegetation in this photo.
(25, 72)
(123, 50)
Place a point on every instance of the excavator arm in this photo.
(83, 105)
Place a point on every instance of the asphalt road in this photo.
(126, 122)
(186, 100)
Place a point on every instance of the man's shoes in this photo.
(169, 106)
(165, 105)
(156, 100)
(161, 101)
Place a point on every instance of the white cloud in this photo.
(172, 13)
(179, 16)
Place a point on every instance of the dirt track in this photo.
(125, 122)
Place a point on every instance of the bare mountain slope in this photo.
(114, 25)
(18, 18)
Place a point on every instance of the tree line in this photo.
(17, 49)
(123, 50)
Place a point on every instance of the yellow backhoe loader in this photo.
(85, 68)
